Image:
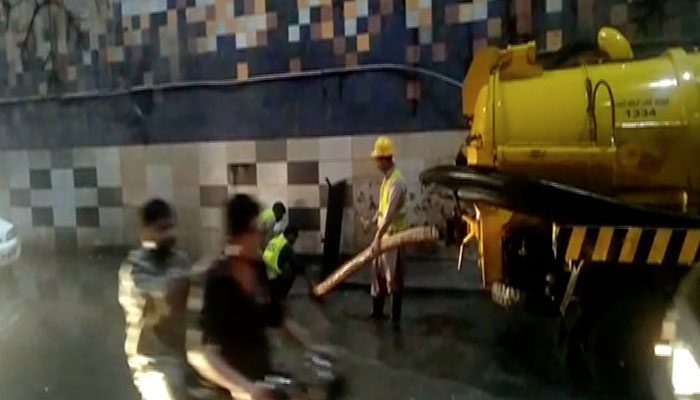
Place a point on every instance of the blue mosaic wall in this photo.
(81, 47)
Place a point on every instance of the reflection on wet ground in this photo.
(61, 335)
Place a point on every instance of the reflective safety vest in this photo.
(271, 255)
(266, 216)
(399, 221)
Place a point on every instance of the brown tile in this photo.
(271, 150)
(242, 174)
(249, 6)
(261, 38)
(305, 219)
(271, 21)
(326, 13)
(439, 52)
(351, 59)
(295, 65)
(523, 14)
(374, 24)
(386, 7)
(315, 31)
(412, 54)
(412, 90)
(211, 13)
(302, 172)
(451, 14)
(339, 46)
(213, 196)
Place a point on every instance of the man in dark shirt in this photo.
(153, 287)
(229, 347)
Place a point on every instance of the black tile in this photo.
(85, 177)
(19, 198)
(305, 219)
(40, 179)
(213, 196)
(302, 173)
(109, 197)
(66, 239)
(42, 216)
(87, 216)
(242, 174)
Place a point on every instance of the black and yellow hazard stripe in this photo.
(627, 245)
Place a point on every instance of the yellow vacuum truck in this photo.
(582, 184)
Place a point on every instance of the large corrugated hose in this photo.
(408, 237)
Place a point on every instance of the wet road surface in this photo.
(62, 332)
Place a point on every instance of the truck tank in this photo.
(624, 127)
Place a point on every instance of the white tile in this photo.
(21, 217)
(350, 27)
(553, 6)
(304, 15)
(211, 217)
(481, 10)
(240, 151)
(411, 168)
(269, 194)
(108, 167)
(39, 159)
(63, 197)
(159, 181)
(334, 170)
(271, 173)
(362, 146)
(293, 33)
(465, 12)
(64, 215)
(302, 149)
(212, 163)
(84, 157)
(111, 216)
(363, 7)
(409, 145)
(18, 163)
(40, 197)
(62, 179)
(303, 196)
(86, 197)
(412, 19)
(444, 144)
(335, 148)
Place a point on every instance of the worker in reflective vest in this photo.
(270, 225)
(282, 264)
(387, 270)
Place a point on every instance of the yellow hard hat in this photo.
(383, 147)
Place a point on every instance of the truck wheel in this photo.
(507, 296)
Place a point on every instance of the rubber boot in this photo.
(396, 299)
(378, 307)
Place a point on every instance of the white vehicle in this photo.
(10, 247)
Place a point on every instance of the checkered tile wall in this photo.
(116, 43)
(86, 197)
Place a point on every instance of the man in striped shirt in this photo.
(153, 291)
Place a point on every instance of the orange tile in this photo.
(221, 11)
(349, 9)
(172, 19)
(327, 30)
(231, 25)
(426, 17)
(211, 28)
(411, 5)
(554, 40)
(242, 71)
(303, 4)
(363, 43)
(196, 14)
(260, 7)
